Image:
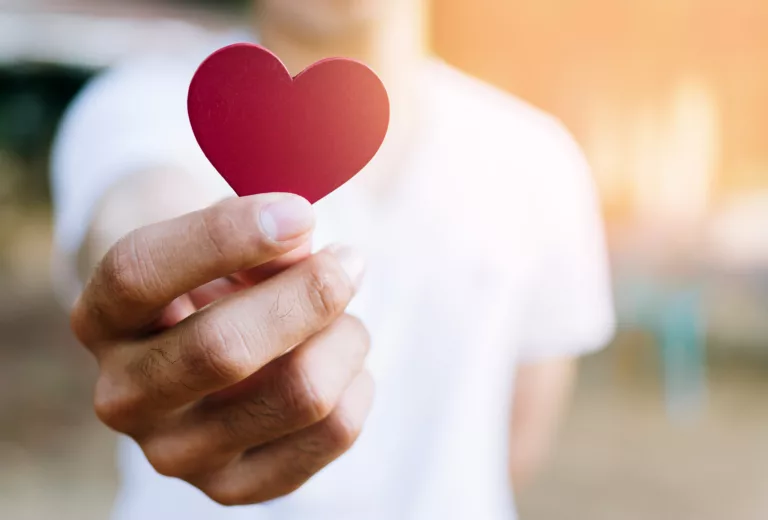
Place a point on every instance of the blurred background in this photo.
(669, 98)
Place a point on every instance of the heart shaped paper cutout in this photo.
(265, 131)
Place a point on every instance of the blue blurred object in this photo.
(674, 313)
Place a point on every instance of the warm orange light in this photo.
(668, 97)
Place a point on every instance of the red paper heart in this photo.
(266, 132)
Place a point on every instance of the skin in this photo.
(228, 356)
(239, 380)
(542, 394)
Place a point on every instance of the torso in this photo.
(449, 254)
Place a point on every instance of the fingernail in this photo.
(351, 261)
(286, 218)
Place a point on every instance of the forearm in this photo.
(542, 394)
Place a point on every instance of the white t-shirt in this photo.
(487, 253)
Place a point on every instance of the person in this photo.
(473, 260)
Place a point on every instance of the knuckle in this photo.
(341, 431)
(285, 488)
(224, 497)
(231, 492)
(164, 459)
(217, 352)
(230, 495)
(107, 411)
(304, 468)
(327, 289)
(79, 322)
(220, 229)
(116, 409)
(122, 273)
(302, 395)
(358, 330)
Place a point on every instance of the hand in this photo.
(249, 396)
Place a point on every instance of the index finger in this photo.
(152, 266)
(229, 341)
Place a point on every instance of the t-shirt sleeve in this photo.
(569, 309)
(129, 119)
